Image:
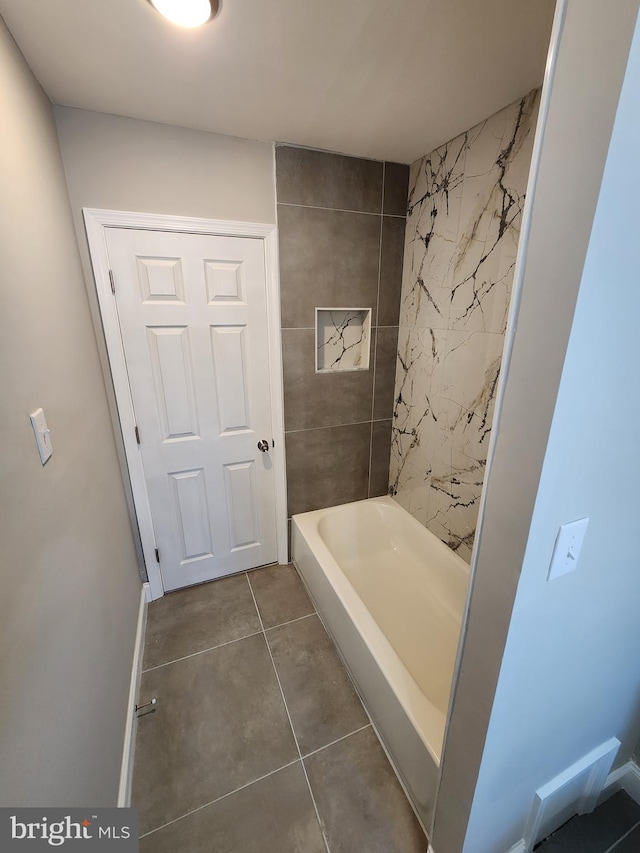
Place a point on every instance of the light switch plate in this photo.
(567, 548)
(42, 434)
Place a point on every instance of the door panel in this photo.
(190, 501)
(192, 312)
(223, 281)
(160, 279)
(240, 491)
(170, 355)
(231, 383)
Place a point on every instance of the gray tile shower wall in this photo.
(342, 228)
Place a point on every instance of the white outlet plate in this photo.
(42, 434)
(567, 548)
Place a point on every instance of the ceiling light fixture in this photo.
(186, 13)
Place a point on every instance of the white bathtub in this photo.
(392, 596)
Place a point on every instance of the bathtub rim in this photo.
(428, 721)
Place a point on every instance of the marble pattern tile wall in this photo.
(463, 224)
(342, 340)
(341, 224)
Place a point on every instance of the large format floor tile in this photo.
(274, 815)
(322, 702)
(361, 804)
(220, 723)
(217, 769)
(199, 618)
(280, 595)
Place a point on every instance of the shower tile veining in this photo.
(465, 206)
(259, 741)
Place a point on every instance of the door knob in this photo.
(263, 446)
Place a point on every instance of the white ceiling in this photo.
(389, 80)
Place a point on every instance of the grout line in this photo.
(258, 568)
(370, 460)
(337, 740)
(202, 651)
(374, 728)
(290, 621)
(266, 775)
(375, 354)
(447, 328)
(223, 797)
(379, 278)
(342, 209)
(380, 326)
(334, 426)
(622, 838)
(286, 707)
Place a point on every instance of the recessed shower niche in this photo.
(343, 337)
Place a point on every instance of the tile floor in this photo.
(614, 827)
(259, 742)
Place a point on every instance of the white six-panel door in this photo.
(192, 313)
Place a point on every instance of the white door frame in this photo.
(95, 223)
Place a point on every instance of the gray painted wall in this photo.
(578, 636)
(126, 164)
(117, 163)
(70, 589)
(565, 685)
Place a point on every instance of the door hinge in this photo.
(137, 435)
(157, 556)
(113, 283)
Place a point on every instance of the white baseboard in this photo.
(625, 778)
(575, 790)
(128, 750)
